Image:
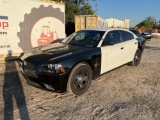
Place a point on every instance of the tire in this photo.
(137, 58)
(80, 79)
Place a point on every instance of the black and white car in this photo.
(85, 55)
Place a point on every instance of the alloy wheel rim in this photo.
(81, 80)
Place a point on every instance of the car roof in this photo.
(105, 29)
(108, 29)
(133, 30)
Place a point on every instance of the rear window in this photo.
(134, 31)
(126, 35)
(113, 36)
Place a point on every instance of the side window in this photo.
(112, 36)
(126, 35)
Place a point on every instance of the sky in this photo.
(135, 10)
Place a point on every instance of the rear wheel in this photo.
(137, 58)
(80, 79)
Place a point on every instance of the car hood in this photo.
(51, 51)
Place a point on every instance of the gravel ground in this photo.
(127, 92)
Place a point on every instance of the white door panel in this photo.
(120, 53)
(117, 55)
(130, 48)
(112, 57)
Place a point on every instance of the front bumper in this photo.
(53, 82)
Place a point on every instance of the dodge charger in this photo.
(72, 64)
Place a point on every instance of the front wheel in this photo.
(137, 58)
(80, 79)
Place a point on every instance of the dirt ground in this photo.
(128, 92)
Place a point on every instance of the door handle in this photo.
(122, 48)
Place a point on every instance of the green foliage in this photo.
(86, 9)
(149, 22)
(75, 7)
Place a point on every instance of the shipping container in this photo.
(89, 21)
(116, 23)
(25, 24)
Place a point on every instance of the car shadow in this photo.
(152, 48)
(13, 91)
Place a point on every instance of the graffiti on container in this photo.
(101, 24)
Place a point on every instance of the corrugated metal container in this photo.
(89, 21)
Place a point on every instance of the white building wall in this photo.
(21, 22)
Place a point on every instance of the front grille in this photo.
(28, 65)
(28, 69)
(30, 72)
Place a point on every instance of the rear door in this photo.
(130, 45)
(112, 55)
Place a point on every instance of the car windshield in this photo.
(85, 38)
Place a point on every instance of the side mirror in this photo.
(108, 43)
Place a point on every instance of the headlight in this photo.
(53, 68)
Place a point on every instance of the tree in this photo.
(149, 22)
(75, 7)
